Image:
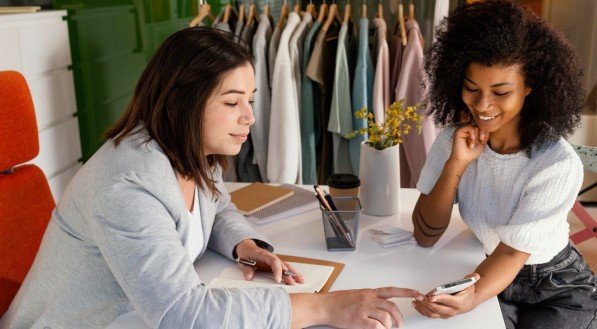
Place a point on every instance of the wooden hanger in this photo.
(284, 11)
(411, 10)
(266, 9)
(204, 11)
(251, 17)
(333, 14)
(297, 7)
(379, 10)
(241, 13)
(347, 13)
(322, 11)
(364, 9)
(227, 10)
(311, 9)
(401, 22)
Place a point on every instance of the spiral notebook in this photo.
(301, 201)
(319, 276)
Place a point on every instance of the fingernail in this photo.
(419, 298)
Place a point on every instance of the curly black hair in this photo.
(504, 33)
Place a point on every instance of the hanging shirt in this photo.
(284, 147)
(246, 169)
(415, 146)
(321, 71)
(229, 26)
(296, 52)
(340, 121)
(396, 50)
(239, 29)
(262, 97)
(247, 35)
(310, 99)
(223, 26)
(442, 8)
(362, 91)
(381, 83)
(272, 52)
(195, 239)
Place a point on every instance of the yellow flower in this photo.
(399, 121)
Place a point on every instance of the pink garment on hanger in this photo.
(381, 80)
(415, 146)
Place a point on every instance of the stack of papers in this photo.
(391, 236)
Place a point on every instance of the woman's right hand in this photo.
(468, 143)
(364, 308)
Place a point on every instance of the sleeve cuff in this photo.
(260, 243)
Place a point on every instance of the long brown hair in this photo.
(171, 95)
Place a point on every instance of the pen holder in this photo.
(348, 211)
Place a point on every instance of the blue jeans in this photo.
(559, 294)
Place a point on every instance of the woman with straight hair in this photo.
(507, 87)
(145, 207)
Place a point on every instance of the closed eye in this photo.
(231, 104)
(470, 89)
(501, 94)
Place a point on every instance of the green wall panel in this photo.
(111, 42)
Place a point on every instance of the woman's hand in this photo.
(468, 143)
(364, 308)
(248, 249)
(447, 306)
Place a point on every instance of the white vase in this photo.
(380, 180)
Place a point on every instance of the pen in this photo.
(330, 200)
(262, 266)
(332, 222)
(338, 221)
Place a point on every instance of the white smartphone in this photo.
(453, 287)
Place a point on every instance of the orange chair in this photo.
(26, 202)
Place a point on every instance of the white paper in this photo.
(315, 278)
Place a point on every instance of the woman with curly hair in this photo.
(506, 86)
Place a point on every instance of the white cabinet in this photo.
(37, 45)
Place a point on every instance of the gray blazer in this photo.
(116, 242)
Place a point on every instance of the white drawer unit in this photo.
(37, 45)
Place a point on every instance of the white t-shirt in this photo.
(195, 232)
(511, 198)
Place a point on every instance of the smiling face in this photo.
(229, 113)
(494, 95)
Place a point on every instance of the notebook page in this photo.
(315, 278)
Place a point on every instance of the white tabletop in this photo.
(456, 254)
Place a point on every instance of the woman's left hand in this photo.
(248, 249)
(447, 306)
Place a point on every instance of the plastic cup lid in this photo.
(343, 181)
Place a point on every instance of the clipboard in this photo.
(338, 267)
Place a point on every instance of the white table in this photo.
(456, 254)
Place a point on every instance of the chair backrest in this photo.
(588, 156)
(26, 202)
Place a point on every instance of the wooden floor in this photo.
(587, 248)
